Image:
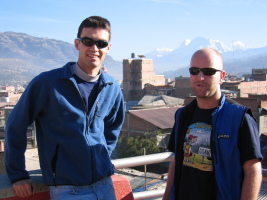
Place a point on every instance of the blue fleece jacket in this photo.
(74, 146)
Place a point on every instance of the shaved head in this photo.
(208, 57)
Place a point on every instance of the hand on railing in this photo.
(24, 188)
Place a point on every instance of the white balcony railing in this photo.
(151, 159)
(144, 160)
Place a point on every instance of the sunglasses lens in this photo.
(102, 44)
(208, 71)
(194, 70)
(88, 42)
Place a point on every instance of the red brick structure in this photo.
(253, 87)
(137, 73)
(122, 187)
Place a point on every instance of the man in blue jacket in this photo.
(215, 140)
(78, 112)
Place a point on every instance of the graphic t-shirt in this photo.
(197, 171)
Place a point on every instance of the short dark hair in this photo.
(95, 22)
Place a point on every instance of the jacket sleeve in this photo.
(113, 122)
(23, 115)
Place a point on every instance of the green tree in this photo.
(134, 146)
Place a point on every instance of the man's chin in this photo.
(95, 64)
(202, 95)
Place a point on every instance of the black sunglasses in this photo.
(90, 42)
(206, 71)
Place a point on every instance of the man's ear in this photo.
(222, 76)
(109, 46)
(76, 44)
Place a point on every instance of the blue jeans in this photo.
(101, 190)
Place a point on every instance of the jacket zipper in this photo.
(95, 112)
(85, 113)
(213, 141)
(97, 102)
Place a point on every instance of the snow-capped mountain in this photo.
(238, 45)
(201, 42)
(169, 60)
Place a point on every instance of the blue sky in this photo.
(141, 26)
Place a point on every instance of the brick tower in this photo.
(137, 73)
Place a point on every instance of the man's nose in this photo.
(94, 47)
(201, 75)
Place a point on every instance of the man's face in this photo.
(91, 58)
(206, 86)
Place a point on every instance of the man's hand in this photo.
(24, 188)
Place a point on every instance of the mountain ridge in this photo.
(23, 56)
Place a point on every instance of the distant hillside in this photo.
(23, 56)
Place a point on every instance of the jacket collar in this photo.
(67, 73)
(104, 78)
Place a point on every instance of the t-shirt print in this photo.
(197, 153)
